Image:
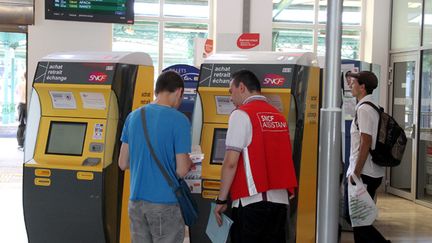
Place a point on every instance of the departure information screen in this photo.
(106, 11)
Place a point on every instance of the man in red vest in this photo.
(258, 170)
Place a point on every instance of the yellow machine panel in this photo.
(143, 95)
(291, 86)
(70, 101)
(52, 159)
(211, 169)
(307, 192)
(72, 185)
(214, 99)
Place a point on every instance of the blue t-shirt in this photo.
(170, 134)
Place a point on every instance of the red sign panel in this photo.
(248, 40)
(208, 46)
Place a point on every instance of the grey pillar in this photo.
(246, 16)
(330, 130)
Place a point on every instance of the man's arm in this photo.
(183, 164)
(123, 160)
(365, 145)
(229, 169)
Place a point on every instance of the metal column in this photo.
(330, 130)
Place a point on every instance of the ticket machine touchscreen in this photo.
(218, 149)
(66, 138)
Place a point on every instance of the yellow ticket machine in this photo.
(291, 82)
(71, 183)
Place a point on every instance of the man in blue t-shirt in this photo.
(153, 208)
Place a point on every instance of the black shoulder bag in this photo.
(182, 192)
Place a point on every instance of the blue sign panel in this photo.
(190, 75)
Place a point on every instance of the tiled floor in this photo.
(399, 220)
(12, 228)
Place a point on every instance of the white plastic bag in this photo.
(362, 208)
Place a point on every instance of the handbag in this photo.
(362, 208)
(188, 206)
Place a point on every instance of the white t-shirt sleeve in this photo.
(239, 134)
(366, 122)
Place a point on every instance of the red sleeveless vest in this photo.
(266, 163)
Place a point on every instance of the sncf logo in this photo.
(97, 77)
(271, 79)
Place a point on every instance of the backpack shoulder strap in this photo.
(370, 104)
(373, 106)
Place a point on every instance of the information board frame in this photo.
(104, 11)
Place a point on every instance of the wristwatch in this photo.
(218, 201)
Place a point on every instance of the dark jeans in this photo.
(259, 222)
(369, 234)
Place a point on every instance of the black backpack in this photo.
(390, 141)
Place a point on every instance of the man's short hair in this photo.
(169, 81)
(248, 78)
(368, 78)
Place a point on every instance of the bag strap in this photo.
(370, 104)
(152, 152)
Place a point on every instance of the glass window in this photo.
(179, 42)
(146, 8)
(406, 20)
(198, 9)
(165, 29)
(295, 28)
(350, 44)
(286, 40)
(402, 106)
(424, 177)
(427, 31)
(295, 11)
(142, 36)
(13, 65)
(351, 15)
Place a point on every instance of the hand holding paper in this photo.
(216, 233)
(218, 210)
